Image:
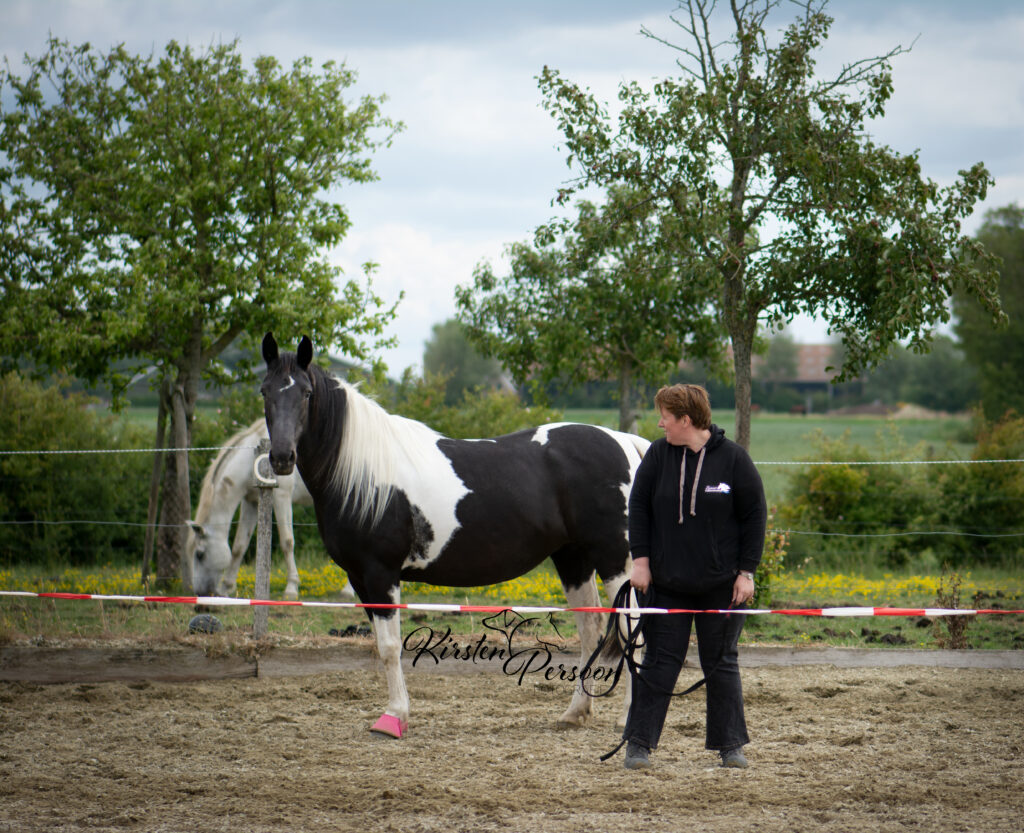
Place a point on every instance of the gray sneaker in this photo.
(733, 758)
(637, 756)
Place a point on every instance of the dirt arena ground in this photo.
(930, 749)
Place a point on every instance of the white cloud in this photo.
(427, 268)
(478, 164)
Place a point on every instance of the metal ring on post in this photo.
(261, 481)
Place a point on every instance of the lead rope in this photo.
(629, 642)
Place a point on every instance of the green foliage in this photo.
(155, 208)
(773, 563)
(598, 298)
(867, 516)
(985, 500)
(940, 379)
(843, 515)
(68, 509)
(811, 216)
(780, 359)
(480, 413)
(448, 352)
(998, 353)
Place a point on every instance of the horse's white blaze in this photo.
(291, 384)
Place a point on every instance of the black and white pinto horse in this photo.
(397, 501)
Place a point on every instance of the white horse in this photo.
(229, 486)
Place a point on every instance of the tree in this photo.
(449, 353)
(942, 379)
(781, 359)
(790, 207)
(601, 297)
(157, 209)
(998, 355)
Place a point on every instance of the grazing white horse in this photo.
(229, 486)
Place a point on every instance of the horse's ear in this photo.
(305, 353)
(269, 349)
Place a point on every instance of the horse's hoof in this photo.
(577, 722)
(390, 725)
(291, 595)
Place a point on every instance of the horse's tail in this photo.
(639, 443)
(618, 644)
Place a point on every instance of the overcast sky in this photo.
(479, 161)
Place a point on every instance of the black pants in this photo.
(666, 638)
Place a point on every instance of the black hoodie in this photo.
(697, 540)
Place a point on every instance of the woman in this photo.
(697, 520)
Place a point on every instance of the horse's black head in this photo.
(287, 389)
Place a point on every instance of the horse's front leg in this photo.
(387, 628)
(248, 514)
(286, 540)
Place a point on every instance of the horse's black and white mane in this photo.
(376, 449)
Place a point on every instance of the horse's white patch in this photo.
(291, 384)
(540, 435)
(381, 453)
(436, 493)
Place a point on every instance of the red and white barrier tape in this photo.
(223, 601)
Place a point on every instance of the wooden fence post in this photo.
(264, 534)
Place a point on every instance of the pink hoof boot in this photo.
(389, 725)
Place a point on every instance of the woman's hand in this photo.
(742, 590)
(640, 577)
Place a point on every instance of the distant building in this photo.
(811, 361)
(811, 376)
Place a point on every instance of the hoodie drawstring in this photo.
(696, 481)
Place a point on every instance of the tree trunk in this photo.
(177, 501)
(167, 547)
(176, 506)
(629, 412)
(742, 347)
(154, 483)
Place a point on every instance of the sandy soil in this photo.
(931, 749)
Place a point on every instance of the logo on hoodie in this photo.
(720, 489)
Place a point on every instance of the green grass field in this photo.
(784, 438)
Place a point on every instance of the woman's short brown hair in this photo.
(685, 400)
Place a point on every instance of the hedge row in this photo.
(90, 509)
